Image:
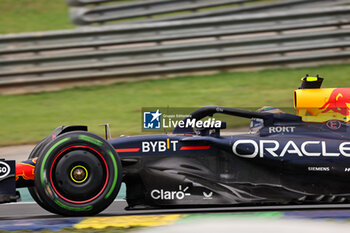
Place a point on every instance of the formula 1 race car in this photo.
(285, 159)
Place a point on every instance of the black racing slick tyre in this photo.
(36, 152)
(78, 174)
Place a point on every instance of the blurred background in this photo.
(100, 61)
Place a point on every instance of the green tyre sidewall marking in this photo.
(85, 208)
(115, 175)
(46, 156)
(90, 139)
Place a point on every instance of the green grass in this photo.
(43, 15)
(29, 118)
(33, 15)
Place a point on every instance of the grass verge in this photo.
(43, 15)
(28, 16)
(31, 117)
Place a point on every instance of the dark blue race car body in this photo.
(289, 160)
(304, 163)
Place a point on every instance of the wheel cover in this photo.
(76, 169)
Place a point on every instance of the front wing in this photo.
(8, 181)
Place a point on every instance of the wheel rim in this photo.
(79, 174)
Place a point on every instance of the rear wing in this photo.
(8, 181)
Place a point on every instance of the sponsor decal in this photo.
(273, 148)
(4, 169)
(162, 146)
(207, 196)
(159, 146)
(282, 129)
(151, 120)
(334, 124)
(319, 169)
(338, 102)
(161, 194)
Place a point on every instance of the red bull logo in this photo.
(338, 102)
(322, 105)
(26, 169)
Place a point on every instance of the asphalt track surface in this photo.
(17, 211)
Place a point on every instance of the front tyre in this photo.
(78, 174)
(32, 190)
